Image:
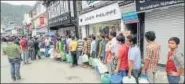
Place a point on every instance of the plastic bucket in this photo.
(105, 78)
(116, 78)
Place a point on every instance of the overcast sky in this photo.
(30, 3)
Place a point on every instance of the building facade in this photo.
(62, 17)
(99, 17)
(39, 20)
(166, 18)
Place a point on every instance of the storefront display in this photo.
(100, 21)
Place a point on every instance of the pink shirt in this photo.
(108, 50)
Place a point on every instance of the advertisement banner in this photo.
(142, 5)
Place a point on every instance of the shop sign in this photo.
(125, 2)
(42, 22)
(130, 17)
(62, 19)
(142, 5)
(108, 13)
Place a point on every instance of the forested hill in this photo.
(13, 13)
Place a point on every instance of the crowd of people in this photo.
(119, 53)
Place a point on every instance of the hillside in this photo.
(13, 13)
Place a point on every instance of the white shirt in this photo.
(114, 46)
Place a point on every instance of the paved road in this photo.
(49, 71)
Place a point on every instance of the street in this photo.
(48, 71)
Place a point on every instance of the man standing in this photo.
(114, 50)
(152, 56)
(24, 49)
(31, 48)
(93, 47)
(73, 47)
(36, 47)
(79, 48)
(13, 52)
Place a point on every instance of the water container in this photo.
(126, 80)
(116, 78)
(143, 79)
(105, 78)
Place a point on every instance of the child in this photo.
(175, 63)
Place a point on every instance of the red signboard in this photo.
(41, 21)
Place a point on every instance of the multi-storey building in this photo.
(39, 19)
(62, 17)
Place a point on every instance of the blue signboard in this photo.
(130, 17)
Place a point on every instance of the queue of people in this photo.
(119, 53)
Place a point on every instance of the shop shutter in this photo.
(166, 23)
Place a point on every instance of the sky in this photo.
(30, 3)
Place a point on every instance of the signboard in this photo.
(130, 17)
(60, 20)
(107, 13)
(88, 3)
(42, 22)
(142, 5)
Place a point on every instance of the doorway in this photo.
(137, 29)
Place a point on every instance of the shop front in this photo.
(101, 21)
(132, 21)
(62, 18)
(166, 19)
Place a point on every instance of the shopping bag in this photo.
(126, 79)
(64, 57)
(94, 62)
(42, 50)
(80, 60)
(84, 58)
(90, 61)
(69, 58)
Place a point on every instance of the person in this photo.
(101, 52)
(68, 42)
(152, 56)
(89, 40)
(73, 47)
(24, 49)
(93, 47)
(114, 50)
(13, 52)
(175, 62)
(31, 48)
(47, 41)
(122, 63)
(36, 48)
(80, 48)
(134, 57)
(85, 51)
(108, 57)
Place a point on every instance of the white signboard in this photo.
(107, 13)
(88, 3)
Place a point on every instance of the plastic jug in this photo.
(116, 78)
(126, 80)
(105, 78)
(143, 79)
